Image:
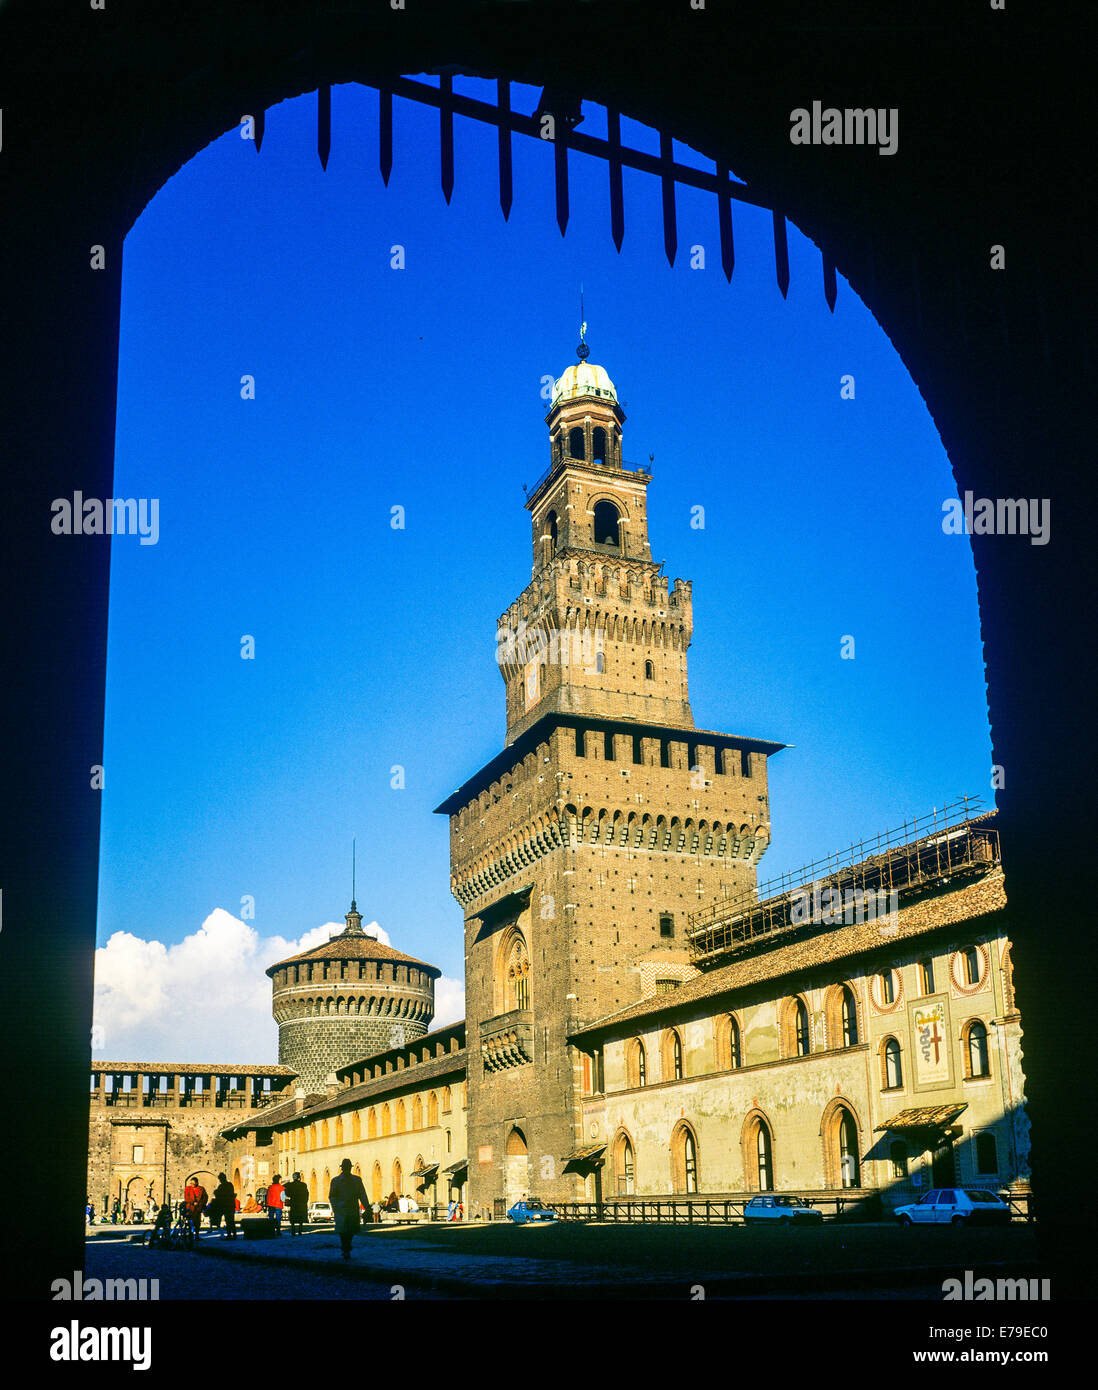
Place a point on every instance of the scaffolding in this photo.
(922, 855)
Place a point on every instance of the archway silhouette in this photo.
(978, 349)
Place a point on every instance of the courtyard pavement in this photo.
(498, 1260)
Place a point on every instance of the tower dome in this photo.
(583, 379)
(348, 998)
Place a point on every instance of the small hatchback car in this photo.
(320, 1211)
(956, 1206)
(781, 1209)
(530, 1210)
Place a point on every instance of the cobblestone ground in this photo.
(185, 1275)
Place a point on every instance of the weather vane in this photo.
(583, 351)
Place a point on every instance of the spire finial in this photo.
(353, 866)
(583, 351)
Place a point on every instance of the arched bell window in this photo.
(607, 530)
(575, 443)
(598, 444)
(979, 1061)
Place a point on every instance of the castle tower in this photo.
(579, 851)
(347, 999)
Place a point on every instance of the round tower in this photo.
(346, 999)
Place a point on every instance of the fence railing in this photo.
(854, 1204)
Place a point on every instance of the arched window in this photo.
(575, 442)
(848, 1150)
(897, 1153)
(551, 528)
(684, 1159)
(313, 1186)
(976, 1050)
(386, 1121)
(926, 977)
(432, 1110)
(401, 1118)
(637, 1064)
(337, 1130)
(356, 1125)
(449, 1141)
(376, 1192)
(887, 988)
(324, 1134)
(649, 671)
(417, 1113)
(598, 444)
(622, 1158)
(513, 983)
(893, 1066)
(447, 1100)
(398, 1178)
(801, 1029)
(729, 1053)
(607, 518)
(671, 1056)
(850, 1017)
(371, 1123)
(970, 964)
(987, 1156)
(764, 1158)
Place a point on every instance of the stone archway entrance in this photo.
(516, 1168)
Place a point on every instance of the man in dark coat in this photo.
(224, 1203)
(347, 1195)
(298, 1194)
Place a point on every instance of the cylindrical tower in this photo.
(348, 999)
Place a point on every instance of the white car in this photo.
(321, 1211)
(955, 1206)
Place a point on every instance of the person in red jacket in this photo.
(274, 1199)
(195, 1198)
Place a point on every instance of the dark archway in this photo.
(1001, 359)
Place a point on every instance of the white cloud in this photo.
(206, 998)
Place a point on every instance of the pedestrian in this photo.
(161, 1231)
(297, 1193)
(376, 1209)
(250, 1205)
(274, 1203)
(224, 1199)
(346, 1194)
(195, 1199)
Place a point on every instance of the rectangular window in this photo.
(637, 757)
(667, 924)
(597, 1072)
(579, 744)
(608, 747)
(586, 1075)
(665, 753)
(667, 986)
(887, 993)
(745, 763)
(926, 977)
(139, 1153)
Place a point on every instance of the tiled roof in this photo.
(353, 946)
(827, 946)
(265, 1118)
(373, 1059)
(317, 1106)
(924, 1117)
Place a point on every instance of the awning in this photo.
(457, 1167)
(425, 1171)
(587, 1154)
(924, 1117)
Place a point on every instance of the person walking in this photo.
(195, 1201)
(224, 1200)
(346, 1194)
(274, 1202)
(297, 1192)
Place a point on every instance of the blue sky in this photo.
(420, 387)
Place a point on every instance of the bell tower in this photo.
(580, 850)
(596, 631)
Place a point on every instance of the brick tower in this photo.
(348, 998)
(578, 852)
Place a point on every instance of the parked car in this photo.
(782, 1208)
(531, 1210)
(321, 1211)
(957, 1206)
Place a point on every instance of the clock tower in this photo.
(579, 851)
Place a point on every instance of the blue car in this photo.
(530, 1210)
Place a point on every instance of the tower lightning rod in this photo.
(353, 867)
